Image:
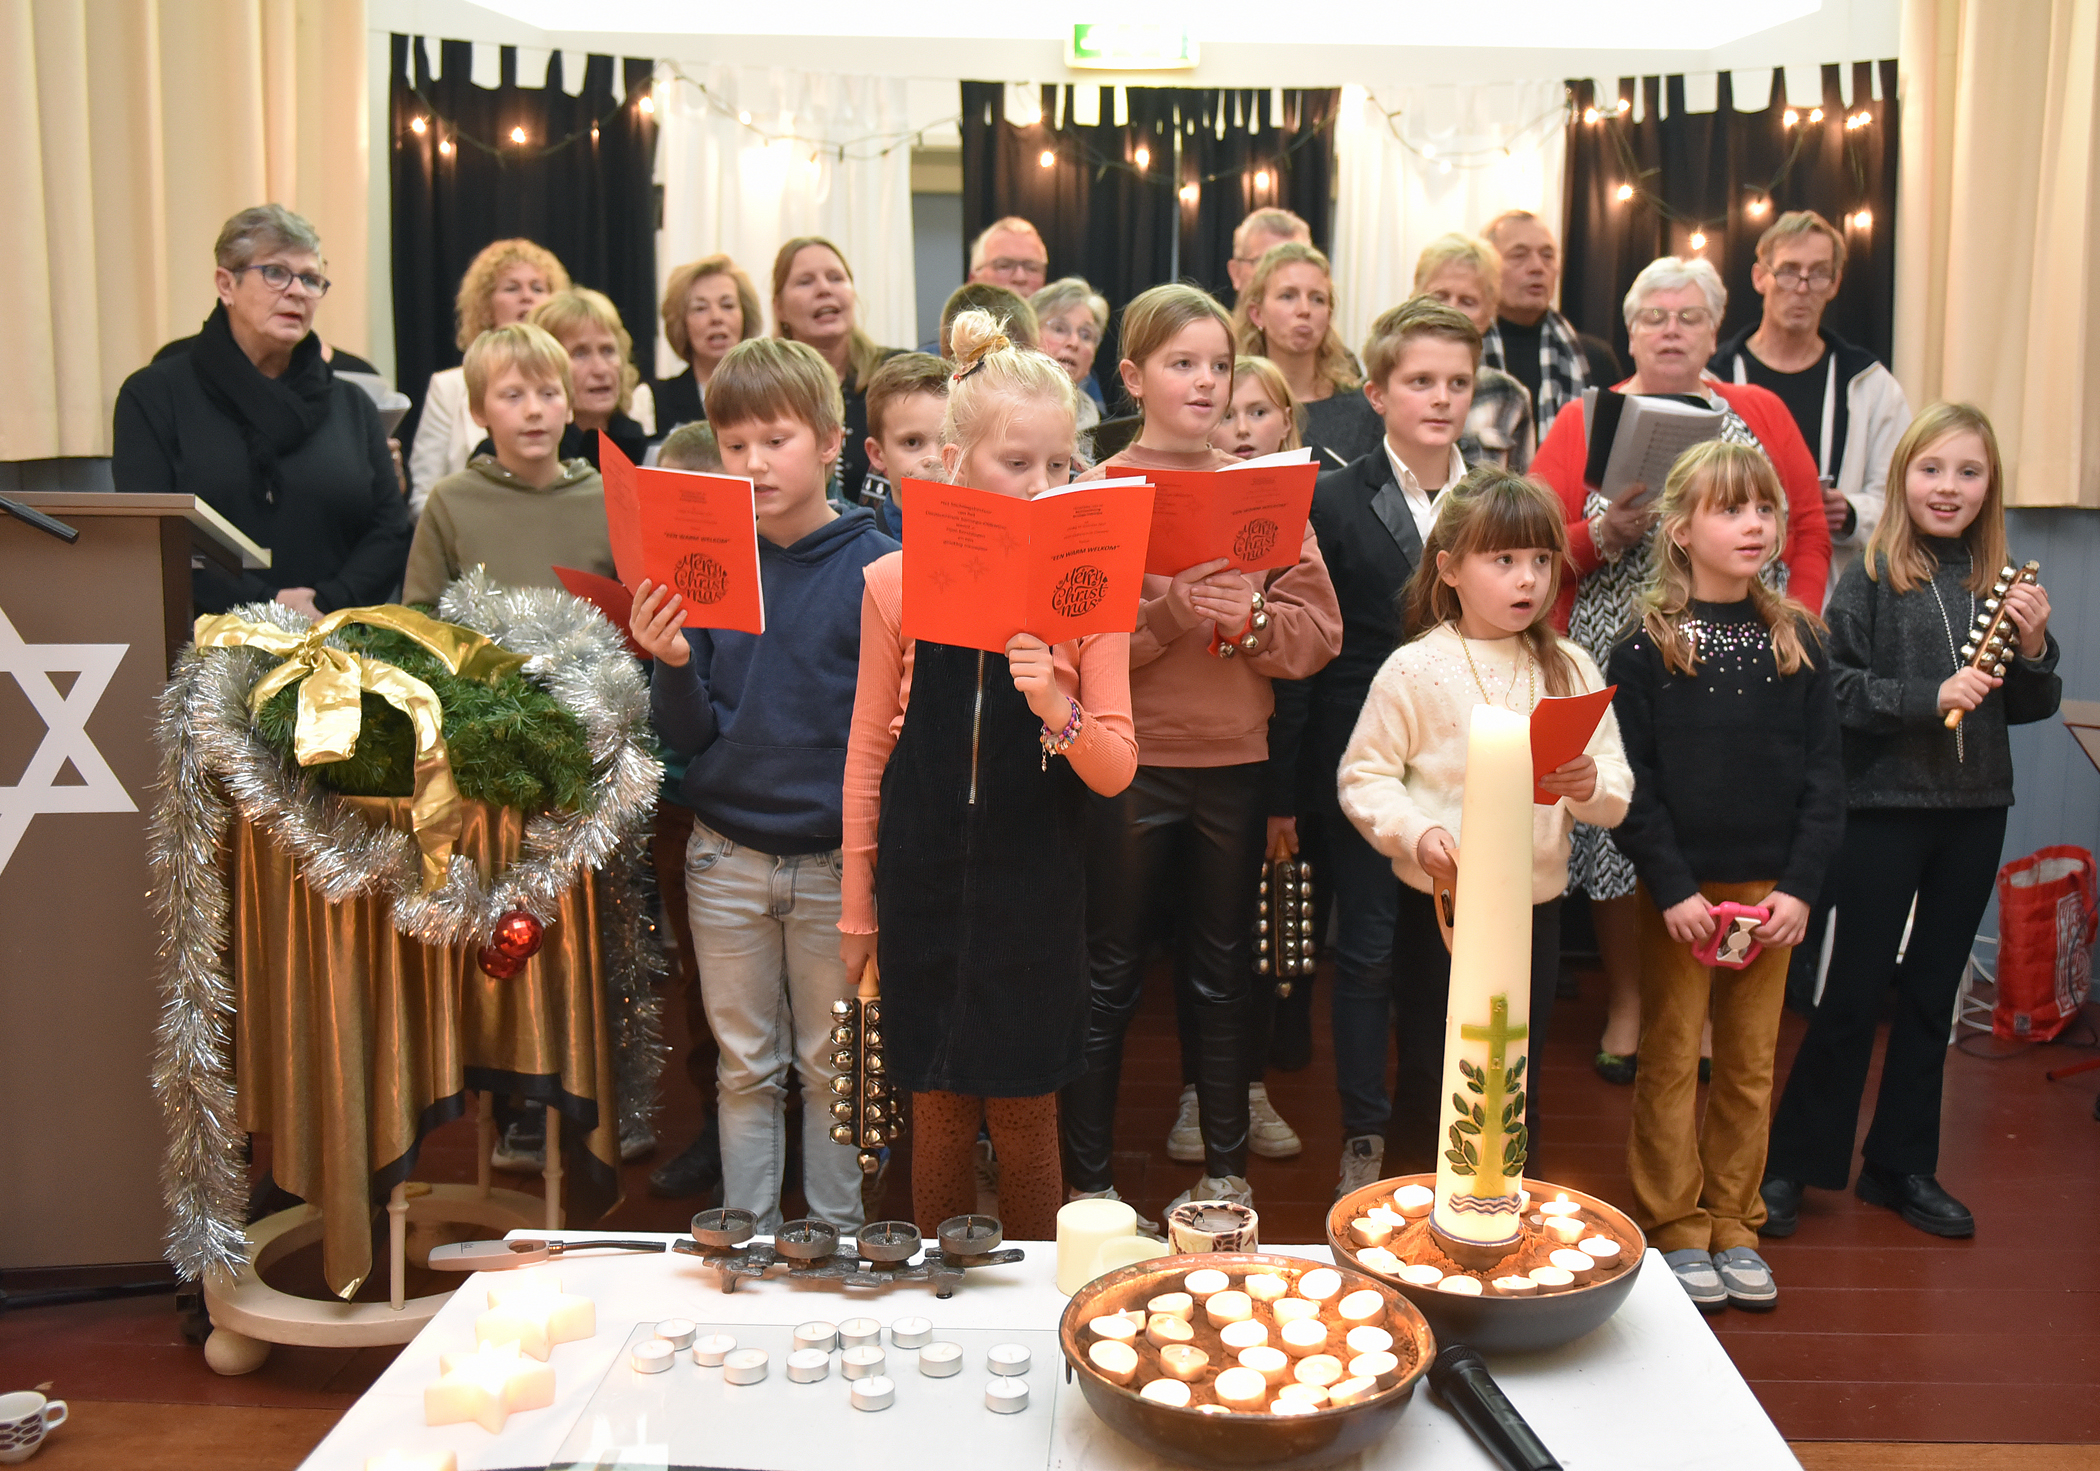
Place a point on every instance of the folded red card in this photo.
(1561, 728)
(608, 597)
(1253, 516)
(694, 533)
(981, 567)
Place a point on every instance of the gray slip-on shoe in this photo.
(1747, 1279)
(1695, 1273)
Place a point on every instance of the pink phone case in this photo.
(1731, 944)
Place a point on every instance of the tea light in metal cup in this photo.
(968, 1236)
(808, 1365)
(1515, 1286)
(1578, 1264)
(1136, 1317)
(1228, 1307)
(1006, 1396)
(864, 1362)
(1600, 1249)
(1384, 1368)
(1174, 1305)
(941, 1359)
(1202, 1282)
(1320, 1284)
(1378, 1259)
(878, 1392)
(1168, 1392)
(1118, 1362)
(1320, 1369)
(745, 1366)
(911, 1332)
(1241, 1388)
(1292, 1309)
(1420, 1274)
(859, 1333)
(806, 1240)
(1282, 1406)
(711, 1350)
(1414, 1201)
(1560, 1205)
(1244, 1334)
(1458, 1284)
(1303, 1336)
(1010, 1358)
(1351, 1391)
(1162, 1330)
(1267, 1287)
(1312, 1394)
(1369, 1340)
(1552, 1279)
(1183, 1361)
(724, 1227)
(1115, 1326)
(652, 1356)
(678, 1332)
(1273, 1364)
(1565, 1229)
(1365, 1305)
(885, 1243)
(817, 1334)
(1366, 1231)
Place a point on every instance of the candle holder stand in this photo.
(881, 1255)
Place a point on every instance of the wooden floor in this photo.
(1889, 1349)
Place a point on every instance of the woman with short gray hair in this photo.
(251, 420)
(1071, 317)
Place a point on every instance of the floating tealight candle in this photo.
(1552, 1279)
(1578, 1264)
(1241, 1388)
(1365, 1231)
(1320, 1284)
(940, 1359)
(1312, 1394)
(1293, 1407)
(1117, 1362)
(1168, 1392)
(678, 1332)
(876, 1393)
(1116, 1327)
(1183, 1360)
(911, 1332)
(1515, 1286)
(1246, 1334)
(859, 1333)
(487, 1386)
(1228, 1307)
(1559, 1205)
(1413, 1201)
(745, 1366)
(533, 1312)
(1008, 1358)
(1162, 1330)
(1378, 1259)
(1303, 1336)
(651, 1356)
(1420, 1274)
(1320, 1369)
(864, 1361)
(1368, 1340)
(817, 1335)
(1202, 1282)
(1382, 1367)
(1351, 1391)
(1366, 1305)
(1291, 1309)
(1458, 1284)
(1006, 1396)
(1564, 1228)
(1213, 1410)
(1273, 1364)
(1137, 1317)
(808, 1365)
(1267, 1287)
(1600, 1249)
(1174, 1305)
(711, 1349)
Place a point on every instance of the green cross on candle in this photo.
(1487, 1116)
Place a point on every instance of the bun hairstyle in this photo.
(993, 376)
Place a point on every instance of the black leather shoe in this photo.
(695, 1173)
(1918, 1199)
(1782, 1200)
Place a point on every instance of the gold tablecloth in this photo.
(352, 1042)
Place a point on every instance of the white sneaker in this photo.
(1267, 1134)
(1363, 1163)
(1230, 1188)
(1185, 1139)
(1149, 1228)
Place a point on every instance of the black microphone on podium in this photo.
(38, 519)
(1461, 1379)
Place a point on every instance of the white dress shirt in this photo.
(1419, 501)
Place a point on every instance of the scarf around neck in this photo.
(275, 415)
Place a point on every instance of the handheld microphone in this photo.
(1462, 1380)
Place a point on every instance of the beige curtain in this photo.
(1998, 245)
(129, 131)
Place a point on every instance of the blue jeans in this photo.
(1367, 909)
(765, 931)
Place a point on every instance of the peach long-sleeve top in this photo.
(1093, 672)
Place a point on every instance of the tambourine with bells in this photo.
(1284, 945)
(1990, 640)
(864, 1109)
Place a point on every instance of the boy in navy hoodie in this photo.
(762, 721)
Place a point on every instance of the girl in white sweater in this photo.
(1482, 597)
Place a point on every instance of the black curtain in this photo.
(580, 185)
(1126, 228)
(1710, 172)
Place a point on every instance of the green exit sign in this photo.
(1130, 46)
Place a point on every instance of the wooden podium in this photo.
(87, 634)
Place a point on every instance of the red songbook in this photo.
(694, 533)
(1561, 728)
(981, 567)
(1254, 515)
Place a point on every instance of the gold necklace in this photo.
(1530, 664)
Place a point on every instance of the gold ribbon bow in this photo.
(331, 715)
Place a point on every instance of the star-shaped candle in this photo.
(533, 1312)
(486, 1387)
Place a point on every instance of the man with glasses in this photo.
(1849, 408)
(1010, 253)
(1257, 235)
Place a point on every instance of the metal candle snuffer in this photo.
(880, 1255)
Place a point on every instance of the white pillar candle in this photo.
(1320, 1369)
(1183, 1360)
(1202, 1282)
(911, 1332)
(1311, 1394)
(1008, 1358)
(876, 1393)
(1082, 1225)
(1602, 1250)
(1515, 1286)
(1121, 1251)
(1552, 1279)
(1168, 1392)
(1240, 1388)
(1303, 1336)
(818, 1334)
(1383, 1367)
(1578, 1264)
(808, 1366)
(1117, 1327)
(1413, 1201)
(1174, 1305)
(651, 1356)
(1267, 1287)
(1293, 1407)
(1458, 1284)
(745, 1366)
(1563, 1228)
(1365, 1231)
(533, 1312)
(1245, 1334)
(1320, 1284)
(1366, 1305)
(1228, 1307)
(413, 1461)
(1291, 1309)
(1163, 1330)
(1351, 1391)
(678, 1332)
(863, 1361)
(1420, 1274)
(1378, 1259)
(859, 1333)
(1486, 1029)
(1006, 1396)
(487, 1387)
(1368, 1340)
(1117, 1362)
(941, 1360)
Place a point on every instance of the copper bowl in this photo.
(1195, 1438)
(1500, 1324)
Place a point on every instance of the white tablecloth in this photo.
(1651, 1388)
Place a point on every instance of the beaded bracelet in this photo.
(1249, 637)
(1596, 524)
(1062, 741)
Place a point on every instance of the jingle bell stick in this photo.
(1991, 639)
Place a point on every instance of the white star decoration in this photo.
(66, 739)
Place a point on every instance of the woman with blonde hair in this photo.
(709, 307)
(609, 393)
(1465, 273)
(501, 286)
(1286, 314)
(814, 302)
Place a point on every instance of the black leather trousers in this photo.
(1181, 844)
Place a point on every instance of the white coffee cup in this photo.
(24, 1417)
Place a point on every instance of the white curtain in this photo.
(1413, 163)
(744, 187)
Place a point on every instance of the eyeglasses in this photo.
(1691, 318)
(1085, 336)
(1793, 278)
(1007, 266)
(280, 278)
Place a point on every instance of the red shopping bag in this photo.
(2047, 914)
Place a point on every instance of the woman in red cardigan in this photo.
(1673, 313)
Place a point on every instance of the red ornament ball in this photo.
(518, 935)
(495, 963)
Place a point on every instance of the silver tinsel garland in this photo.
(213, 764)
